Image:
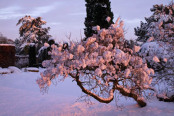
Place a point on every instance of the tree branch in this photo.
(98, 98)
(124, 92)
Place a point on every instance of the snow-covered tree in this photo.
(102, 64)
(31, 31)
(160, 57)
(98, 13)
(157, 35)
(159, 26)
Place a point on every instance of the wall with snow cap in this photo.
(7, 55)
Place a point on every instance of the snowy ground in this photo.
(20, 96)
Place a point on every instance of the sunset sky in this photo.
(67, 16)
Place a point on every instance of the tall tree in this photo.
(31, 31)
(98, 13)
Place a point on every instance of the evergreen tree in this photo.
(157, 35)
(98, 13)
(159, 26)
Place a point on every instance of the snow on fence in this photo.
(7, 55)
(22, 61)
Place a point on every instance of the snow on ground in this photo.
(21, 96)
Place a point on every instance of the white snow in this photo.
(108, 19)
(31, 69)
(20, 96)
(10, 69)
(71, 56)
(107, 56)
(155, 59)
(98, 72)
(7, 45)
(5, 71)
(90, 40)
(96, 28)
(165, 59)
(80, 48)
(150, 39)
(14, 69)
(46, 45)
(127, 72)
(137, 48)
(32, 44)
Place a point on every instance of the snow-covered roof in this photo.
(7, 45)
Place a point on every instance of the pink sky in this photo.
(67, 16)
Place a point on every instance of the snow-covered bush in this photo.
(100, 65)
(5, 71)
(43, 51)
(10, 69)
(14, 69)
(157, 35)
(160, 57)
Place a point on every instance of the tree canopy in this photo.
(102, 64)
(31, 31)
(159, 26)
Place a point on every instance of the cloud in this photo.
(77, 13)
(10, 12)
(17, 11)
(43, 9)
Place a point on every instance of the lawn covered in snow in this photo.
(21, 96)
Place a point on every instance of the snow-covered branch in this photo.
(99, 64)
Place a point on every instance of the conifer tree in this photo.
(98, 13)
(157, 37)
(158, 26)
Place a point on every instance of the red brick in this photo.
(7, 55)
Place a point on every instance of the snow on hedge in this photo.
(10, 69)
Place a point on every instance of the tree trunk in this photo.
(165, 99)
(32, 56)
(95, 96)
(122, 90)
(140, 102)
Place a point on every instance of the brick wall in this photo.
(7, 55)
